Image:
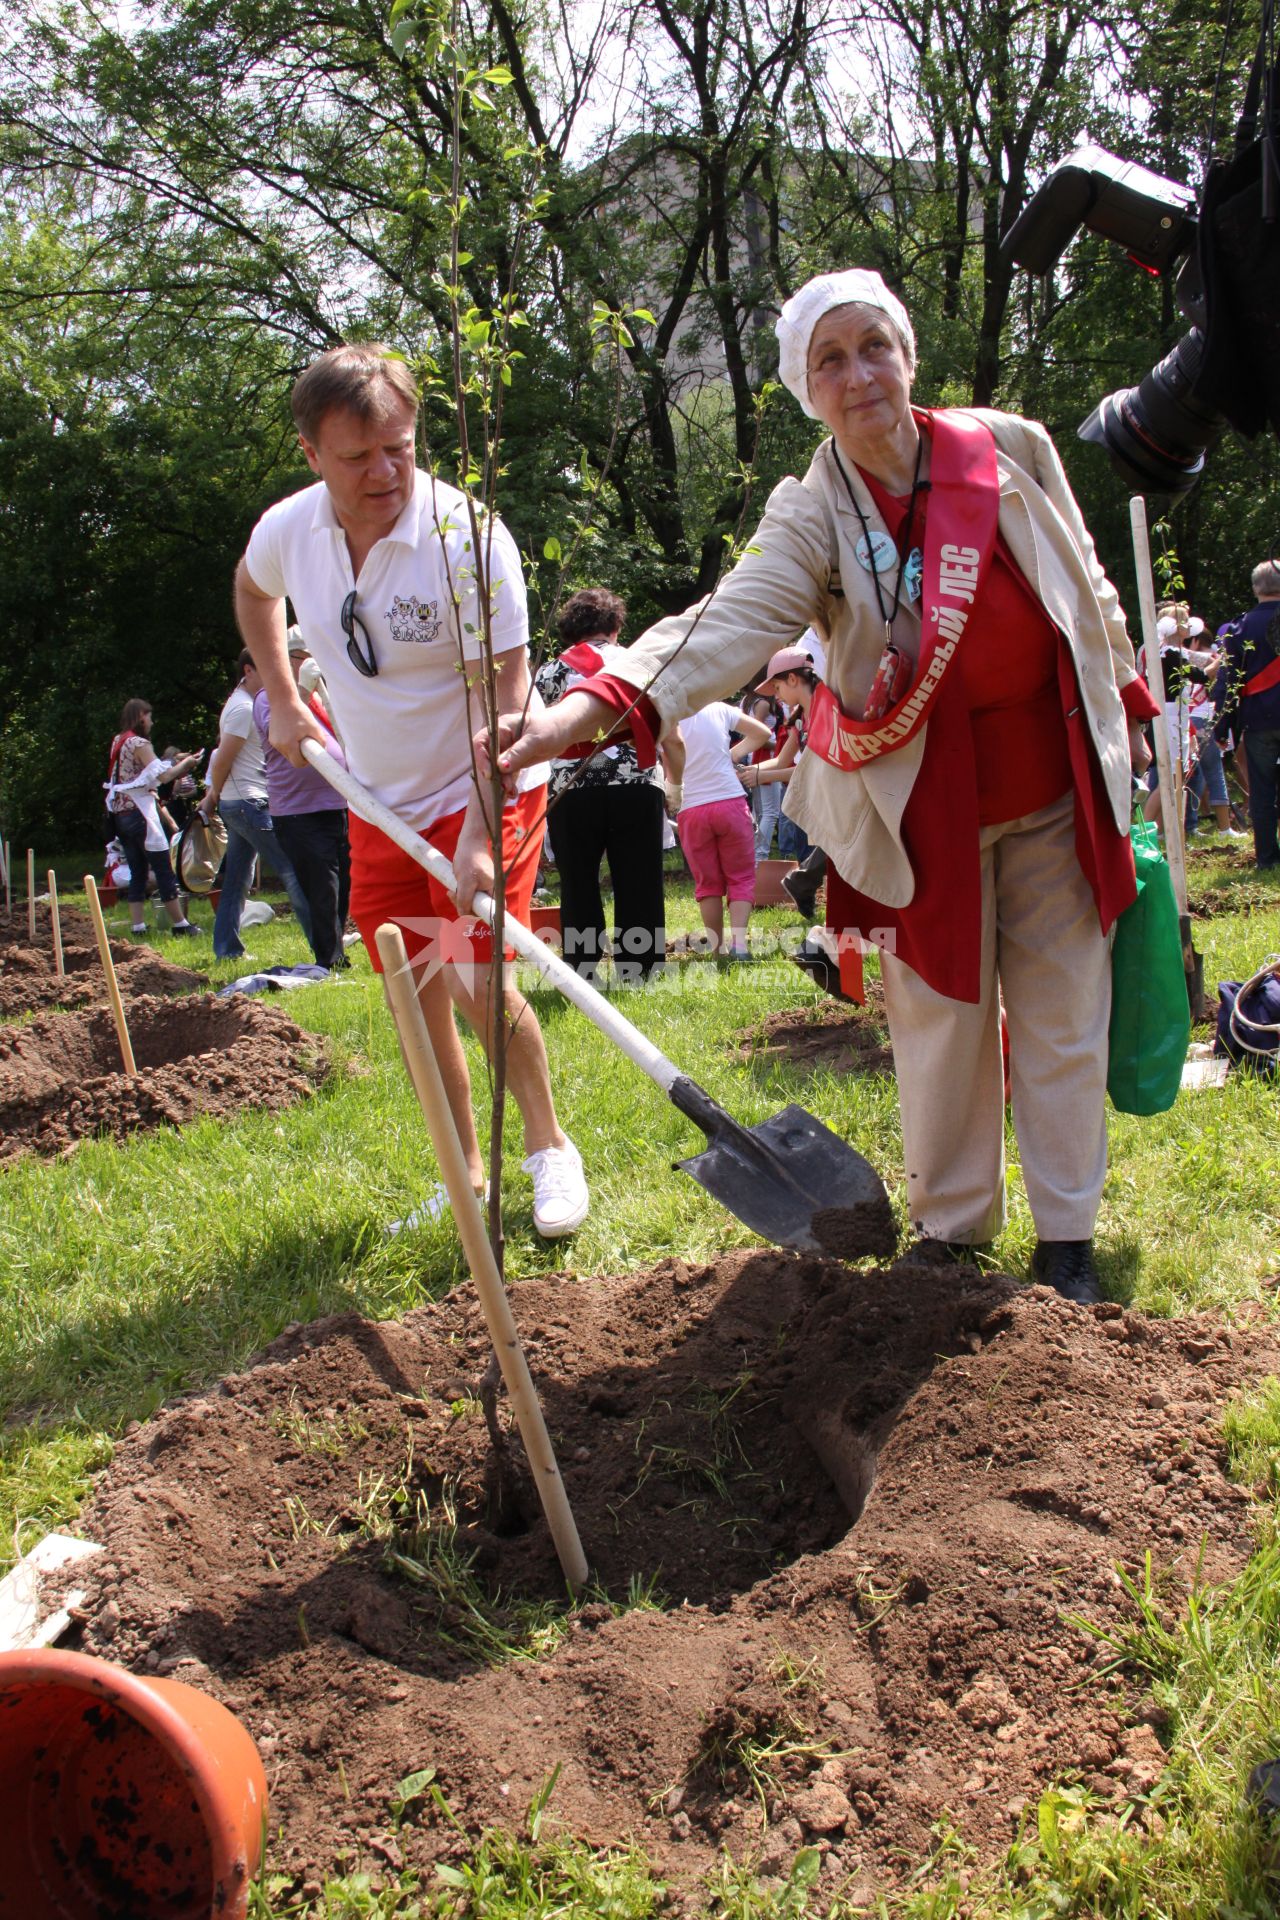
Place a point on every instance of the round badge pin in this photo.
(876, 552)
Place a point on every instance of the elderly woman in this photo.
(968, 764)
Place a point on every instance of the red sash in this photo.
(117, 748)
(316, 706)
(1269, 677)
(959, 540)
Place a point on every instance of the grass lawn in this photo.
(130, 1273)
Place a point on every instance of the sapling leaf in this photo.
(406, 1791)
(551, 549)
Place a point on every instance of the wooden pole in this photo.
(402, 994)
(31, 895)
(8, 870)
(109, 968)
(1170, 789)
(58, 966)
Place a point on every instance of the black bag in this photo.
(1249, 1020)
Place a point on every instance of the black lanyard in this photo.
(917, 488)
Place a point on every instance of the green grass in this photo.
(128, 1274)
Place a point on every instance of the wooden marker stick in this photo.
(31, 895)
(109, 968)
(58, 966)
(424, 1071)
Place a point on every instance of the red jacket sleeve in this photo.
(1138, 701)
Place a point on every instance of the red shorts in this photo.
(718, 840)
(387, 885)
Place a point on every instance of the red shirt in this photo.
(1009, 673)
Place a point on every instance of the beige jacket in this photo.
(784, 581)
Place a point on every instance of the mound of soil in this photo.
(871, 1503)
(28, 981)
(827, 1034)
(61, 1079)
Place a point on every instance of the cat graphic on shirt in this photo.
(413, 621)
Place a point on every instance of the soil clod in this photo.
(854, 1233)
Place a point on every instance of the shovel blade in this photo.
(794, 1182)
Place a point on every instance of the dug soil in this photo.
(29, 981)
(872, 1505)
(823, 1034)
(62, 1081)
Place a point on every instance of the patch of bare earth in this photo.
(28, 977)
(872, 1500)
(828, 1034)
(62, 1077)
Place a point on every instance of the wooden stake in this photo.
(402, 996)
(31, 896)
(8, 869)
(58, 967)
(1175, 847)
(108, 967)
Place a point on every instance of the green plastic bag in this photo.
(1150, 1014)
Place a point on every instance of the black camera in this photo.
(1225, 371)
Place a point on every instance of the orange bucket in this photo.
(123, 1798)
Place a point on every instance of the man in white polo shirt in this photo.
(379, 565)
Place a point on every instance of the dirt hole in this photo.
(314, 1543)
(29, 981)
(62, 1077)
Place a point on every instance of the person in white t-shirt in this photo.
(237, 790)
(717, 834)
(384, 570)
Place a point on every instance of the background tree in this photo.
(198, 201)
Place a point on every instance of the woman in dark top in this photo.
(601, 804)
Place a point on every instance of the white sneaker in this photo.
(560, 1197)
(434, 1207)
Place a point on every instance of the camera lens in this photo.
(1156, 434)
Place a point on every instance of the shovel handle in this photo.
(638, 1049)
(1174, 847)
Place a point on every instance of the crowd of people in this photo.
(288, 818)
(918, 677)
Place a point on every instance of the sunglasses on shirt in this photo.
(362, 657)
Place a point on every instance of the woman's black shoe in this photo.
(939, 1253)
(1067, 1266)
(812, 958)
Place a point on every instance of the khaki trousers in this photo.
(1043, 951)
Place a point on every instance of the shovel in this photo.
(790, 1179)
